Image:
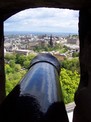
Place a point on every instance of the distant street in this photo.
(69, 109)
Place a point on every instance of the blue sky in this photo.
(44, 20)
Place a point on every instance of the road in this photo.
(69, 109)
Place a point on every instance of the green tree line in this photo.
(48, 48)
(16, 67)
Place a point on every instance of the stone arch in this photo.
(8, 7)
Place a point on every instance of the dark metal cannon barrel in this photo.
(38, 97)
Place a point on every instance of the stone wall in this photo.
(10, 7)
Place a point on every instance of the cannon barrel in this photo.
(38, 96)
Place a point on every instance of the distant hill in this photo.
(37, 33)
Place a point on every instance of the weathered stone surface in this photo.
(2, 74)
(83, 95)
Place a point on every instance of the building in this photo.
(73, 41)
(24, 52)
(60, 57)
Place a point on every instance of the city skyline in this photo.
(43, 20)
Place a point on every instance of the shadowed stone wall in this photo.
(10, 7)
(83, 95)
(2, 74)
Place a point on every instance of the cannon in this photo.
(38, 96)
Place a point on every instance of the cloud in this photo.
(43, 19)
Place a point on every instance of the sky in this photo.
(44, 20)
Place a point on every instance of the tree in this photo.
(75, 54)
(71, 64)
(20, 59)
(8, 69)
(12, 80)
(69, 81)
(69, 76)
(51, 41)
(12, 63)
(30, 57)
(17, 67)
(26, 64)
(9, 56)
